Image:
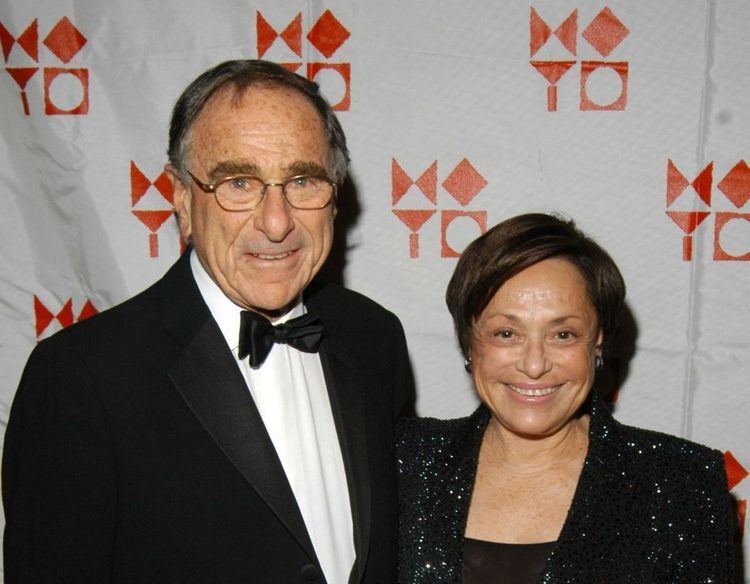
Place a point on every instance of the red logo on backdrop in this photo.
(731, 231)
(65, 316)
(326, 37)
(153, 219)
(603, 83)
(463, 183)
(736, 473)
(66, 89)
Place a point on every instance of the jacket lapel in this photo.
(346, 390)
(605, 470)
(207, 377)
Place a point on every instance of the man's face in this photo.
(262, 259)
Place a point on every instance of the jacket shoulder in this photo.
(424, 442)
(669, 453)
(127, 319)
(329, 297)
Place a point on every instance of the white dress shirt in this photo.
(290, 393)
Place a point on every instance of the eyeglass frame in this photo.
(211, 188)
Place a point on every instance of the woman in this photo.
(541, 484)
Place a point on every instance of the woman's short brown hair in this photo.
(518, 243)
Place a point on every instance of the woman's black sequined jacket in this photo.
(648, 508)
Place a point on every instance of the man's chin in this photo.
(271, 308)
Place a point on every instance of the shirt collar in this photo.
(225, 312)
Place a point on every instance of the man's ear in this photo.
(182, 201)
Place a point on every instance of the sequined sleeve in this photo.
(706, 551)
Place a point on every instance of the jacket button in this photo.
(309, 572)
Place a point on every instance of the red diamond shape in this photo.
(736, 184)
(736, 473)
(328, 34)
(65, 40)
(464, 182)
(605, 32)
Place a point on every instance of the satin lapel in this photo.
(346, 390)
(211, 384)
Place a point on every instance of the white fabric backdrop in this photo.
(443, 94)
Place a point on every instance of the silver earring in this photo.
(598, 362)
(467, 364)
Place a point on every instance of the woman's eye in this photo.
(504, 334)
(565, 335)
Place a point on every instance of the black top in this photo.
(648, 507)
(488, 562)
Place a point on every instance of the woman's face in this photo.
(533, 349)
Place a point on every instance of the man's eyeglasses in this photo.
(245, 193)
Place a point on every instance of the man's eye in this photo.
(300, 182)
(240, 183)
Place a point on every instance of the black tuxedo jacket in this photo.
(649, 508)
(135, 453)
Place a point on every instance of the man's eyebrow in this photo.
(305, 167)
(235, 167)
(232, 167)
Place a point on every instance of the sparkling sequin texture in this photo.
(649, 507)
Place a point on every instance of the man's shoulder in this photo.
(133, 318)
(322, 291)
(337, 303)
(128, 319)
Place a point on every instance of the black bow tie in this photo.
(257, 335)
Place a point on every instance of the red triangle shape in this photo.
(676, 182)
(293, 67)
(164, 186)
(153, 219)
(65, 316)
(88, 310)
(568, 31)
(29, 40)
(266, 34)
(400, 182)
(539, 32)
(292, 35)
(736, 473)
(139, 184)
(414, 218)
(427, 183)
(6, 40)
(688, 220)
(42, 315)
(21, 75)
(702, 183)
(552, 70)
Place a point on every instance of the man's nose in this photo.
(534, 361)
(274, 215)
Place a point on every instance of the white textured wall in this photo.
(444, 91)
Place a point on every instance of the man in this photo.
(156, 442)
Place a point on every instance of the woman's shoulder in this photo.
(667, 447)
(431, 442)
(674, 462)
(416, 431)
